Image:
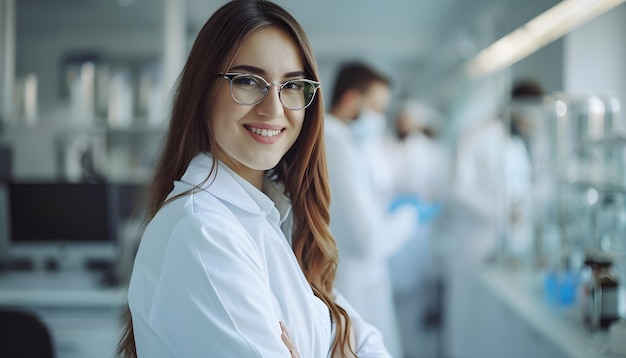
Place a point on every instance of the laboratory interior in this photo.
(515, 163)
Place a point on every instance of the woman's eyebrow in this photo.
(295, 74)
(261, 72)
(248, 68)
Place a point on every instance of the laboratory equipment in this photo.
(600, 297)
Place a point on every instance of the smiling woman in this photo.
(236, 258)
(238, 127)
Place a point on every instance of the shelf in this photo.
(614, 140)
(601, 187)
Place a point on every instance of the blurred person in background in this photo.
(370, 132)
(420, 164)
(522, 113)
(492, 196)
(366, 233)
(420, 158)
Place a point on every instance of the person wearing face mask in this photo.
(367, 234)
(369, 131)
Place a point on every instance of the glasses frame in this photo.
(230, 76)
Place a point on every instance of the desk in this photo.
(522, 320)
(83, 317)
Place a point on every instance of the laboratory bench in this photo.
(82, 316)
(517, 320)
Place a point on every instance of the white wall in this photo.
(545, 65)
(595, 56)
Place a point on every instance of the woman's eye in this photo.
(293, 85)
(245, 81)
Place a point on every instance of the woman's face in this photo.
(252, 139)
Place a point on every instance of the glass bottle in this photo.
(600, 308)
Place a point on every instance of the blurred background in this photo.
(520, 249)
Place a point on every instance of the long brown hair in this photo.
(302, 169)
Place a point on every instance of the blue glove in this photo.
(427, 211)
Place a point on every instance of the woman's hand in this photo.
(287, 340)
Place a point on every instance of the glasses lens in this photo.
(297, 94)
(247, 89)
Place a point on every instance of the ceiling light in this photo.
(538, 32)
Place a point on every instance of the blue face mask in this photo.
(369, 124)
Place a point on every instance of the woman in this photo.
(237, 238)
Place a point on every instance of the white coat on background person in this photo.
(366, 234)
(421, 176)
(525, 116)
(519, 196)
(369, 131)
(420, 162)
(476, 221)
(493, 172)
(492, 169)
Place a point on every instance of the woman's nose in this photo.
(271, 106)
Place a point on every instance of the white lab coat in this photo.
(491, 165)
(420, 166)
(366, 234)
(420, 170)
(519, 200)
(215, 273)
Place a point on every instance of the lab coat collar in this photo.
(276, 192)
(228, 186)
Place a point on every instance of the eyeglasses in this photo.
(248, 89)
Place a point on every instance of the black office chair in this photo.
(23, 335)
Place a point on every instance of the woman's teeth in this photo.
(264, 132)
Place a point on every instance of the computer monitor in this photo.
(60, 224)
